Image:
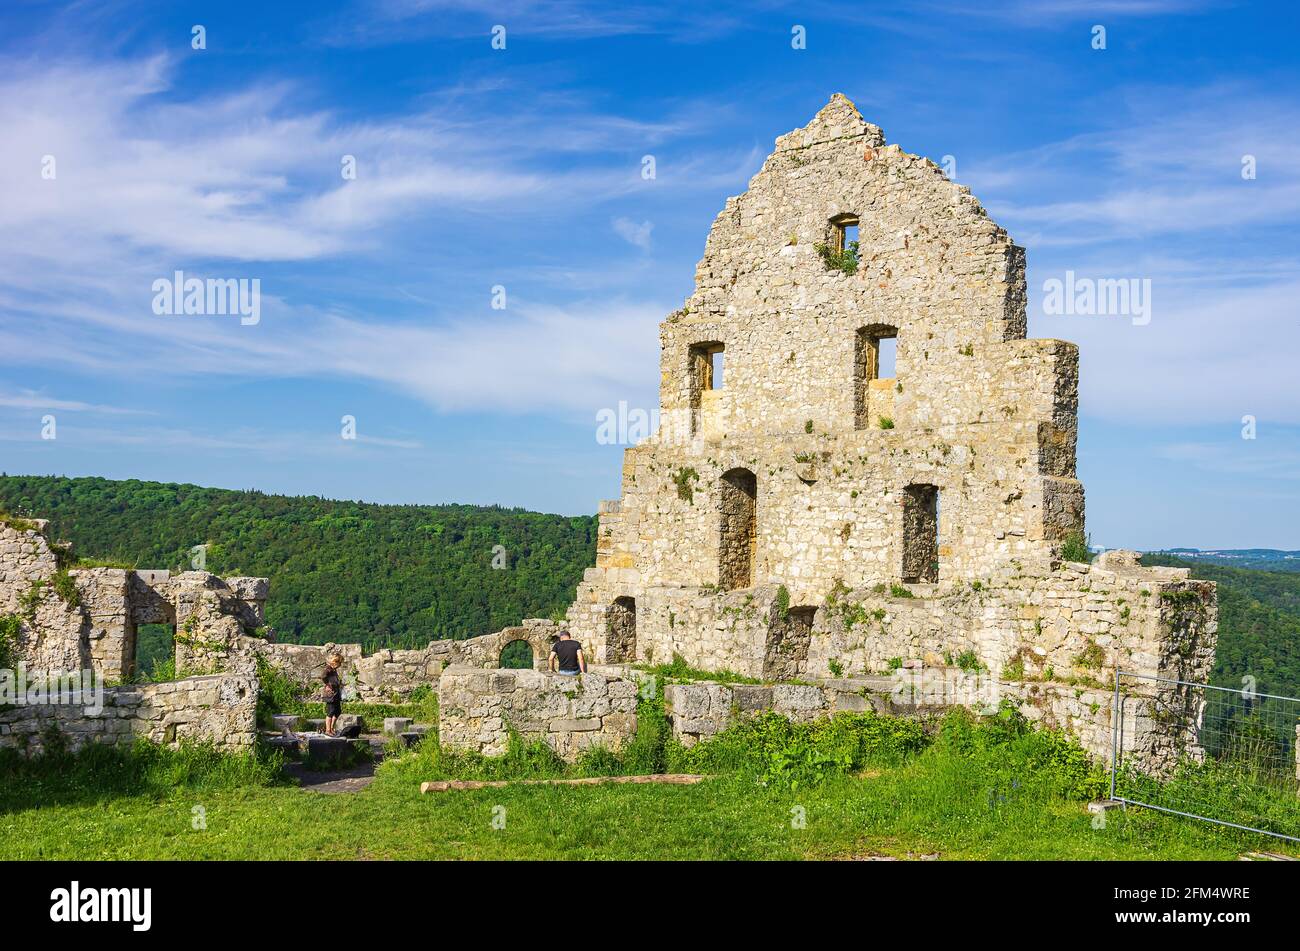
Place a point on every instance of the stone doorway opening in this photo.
(788, 638)
(921, 533)
(738, 497)
(620, 631)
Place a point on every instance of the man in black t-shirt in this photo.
(566, 656)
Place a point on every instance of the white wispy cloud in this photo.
(234, 184)
(633, 232)
(32, 400)
(1169, 162)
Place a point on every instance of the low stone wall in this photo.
(1152, 742)
(478, 708)
(220, 709)
(702, 709)
(392, 675)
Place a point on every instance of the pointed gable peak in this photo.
(838, 119)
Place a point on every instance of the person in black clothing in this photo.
(566, 656)
(333, 692)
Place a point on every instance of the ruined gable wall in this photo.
(979, 412)
(932, 265)
(987, 417)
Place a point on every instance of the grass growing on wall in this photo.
(679, 669)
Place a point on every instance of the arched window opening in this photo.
(517, 655)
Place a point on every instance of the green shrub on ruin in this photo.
(65, 586)
(277, 693)
(11, 626)
(1091, 657)
(1075, 548)
(783, 602)
(684, 480)
(16, 522)
(844, 261)
(680, 670)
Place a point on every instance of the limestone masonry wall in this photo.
(391, 675)
(93, 626)
(478, 708)
(698, 711)
(220, 709)
(804, 510)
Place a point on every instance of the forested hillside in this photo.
(1259, 625)
(383, 575)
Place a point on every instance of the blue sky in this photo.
(521, 168)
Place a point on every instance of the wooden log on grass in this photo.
(674, 779)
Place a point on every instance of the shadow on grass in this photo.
(102, 773)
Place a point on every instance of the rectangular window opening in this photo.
(886, 358)
(846, 232)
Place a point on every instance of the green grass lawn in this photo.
(970, 795)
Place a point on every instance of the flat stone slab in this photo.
(329, 750)
(288, 745)
(1104, 805)
(349, 779)
(395, 726)
(349, 725)
(287, 721)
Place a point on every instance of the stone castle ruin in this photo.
(864, 485)
(812, 511)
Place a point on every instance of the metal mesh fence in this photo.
(1212, 753)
